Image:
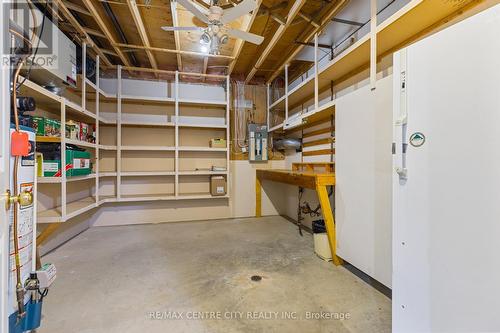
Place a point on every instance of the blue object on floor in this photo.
(30, 322)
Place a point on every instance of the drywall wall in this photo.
(363, 172)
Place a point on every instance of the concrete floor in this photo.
(162, 278)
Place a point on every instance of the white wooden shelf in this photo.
(148, 148)
(202, 125)
(73, 209)
(107, 147)
(108, 174)
(106, 199)
(279, 101)
(131, 98)
(107, 121)
(146, 197)
(197, 196)
(81, 143)
(78, 178)
(49, 180)
(202, 172)
(187, 148)
(91, 84)
(202, 102)
(90, 93)
(146, 124)
(277, 127)
(73, 109)
(415, 20)
(146, 173)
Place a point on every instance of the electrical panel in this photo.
(257, 143)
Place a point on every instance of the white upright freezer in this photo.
(446, 180)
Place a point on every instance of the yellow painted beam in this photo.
(258, 197)
(329, 222)
(46, 233)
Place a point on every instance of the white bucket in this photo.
(322, 246)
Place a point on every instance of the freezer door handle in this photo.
(402, 172)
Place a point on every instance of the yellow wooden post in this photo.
(258, 197)
(46, 233)
(329, 221)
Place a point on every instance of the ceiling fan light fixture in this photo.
(223, 39)
(205, 38)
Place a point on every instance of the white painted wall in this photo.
(164, 89)
(363, 172)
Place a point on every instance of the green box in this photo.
(52, 127)
(39, 125)
(46, 127)
(77, 164)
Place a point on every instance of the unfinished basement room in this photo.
(173, 166)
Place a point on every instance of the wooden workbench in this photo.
(305, 175)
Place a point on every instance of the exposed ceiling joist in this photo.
(175, 23)
(132, 5)
(65, 11)
(245, 26)
(76, 8)
(100, 22)
(179, 52)
(277, 36)
(113, 53)
(94, 32)
(309, 19)
(326, 19)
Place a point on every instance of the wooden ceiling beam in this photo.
(106, 51)
(175, 23)
(272, 12)
(76, 8)
(69, 16)
(121, 3)
(277, 36)
(326, 19)
(159, 49)
(163, 71)
(245, 26)
(132, 5)
(94, 32)
(104, 28)
(309, 19)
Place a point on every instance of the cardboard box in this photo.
(73, 130)
(39, 125)
(77, 164)
(46, 127)
(218, 185)
(218, 143)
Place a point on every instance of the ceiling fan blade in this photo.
(194, 10)
(182, 28)
(244, 7)
(247, 36)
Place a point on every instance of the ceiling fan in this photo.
(216, 32)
